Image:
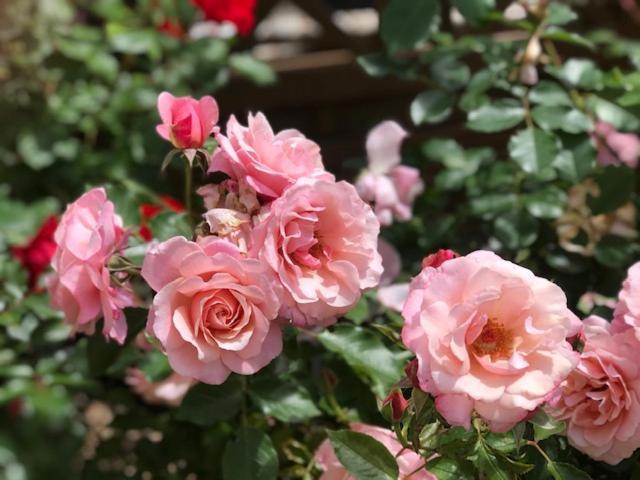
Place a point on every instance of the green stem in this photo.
(188, 181)
(243, 405)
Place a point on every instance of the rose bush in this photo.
(265, 326)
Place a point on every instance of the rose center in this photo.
(494, 340)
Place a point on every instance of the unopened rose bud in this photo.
(396, 403)
(411, 370)
(436, 259)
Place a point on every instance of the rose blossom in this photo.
(270, 163)
(627, 312)
(36, 255)
(600, 400)
(214, 311)
(410, 464)
(391, 187)
(186, 122)
(239, 12)
(321, 240)
(88, 235)
(489, 336)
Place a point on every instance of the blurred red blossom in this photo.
(239, 12)
(150, 210)
(36, 255)
(173, 29)
(436, 259)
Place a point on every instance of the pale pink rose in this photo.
(410, 464)
(616, 148)
(231, 225)
(600, 400)
(168, 392)
(489, 336)
(236, 195)
(214, 310)
(390, 187)
(186, 122)
(321, 240)
(269, 162)
(627, 312)
(89, 234)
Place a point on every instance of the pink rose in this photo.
(389, 186)
(269, 162)
(410, 464)
(168, 392)
(214, 311)
(321, 240)
(615, 148)
(627, 312)
(88, 235)
(186, 122)
(600, 400)
(489, 336)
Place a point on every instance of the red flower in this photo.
(37, 254)
(173, 29)
(150, 210)
(239, 12)
(436, 259)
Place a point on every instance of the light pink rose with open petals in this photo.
(321, 240)
(410, 464)
(390, 187)
(186, 122)
(215, 309)
(269, 162)
(627, 312)
(600, 400)
(489, 336)
(89, 234)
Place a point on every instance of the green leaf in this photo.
(364, 457)
(445, 468)
(582, 73)
(611, 113)
(449, 73)
(534, 150)
(206, 405)
(560, 14)
(613, 251)
(491, 204)
(616, 185)
(561, 118)
(550, 94)
(432, 106)
(516, 229)
(367, 355)
(474, 10)
(578, 160)
(488, 464)
(249, 67)
(360, 312)
(134, 41)
(285, 400)
(545, 426)
(566, 471)
(496, 117)
(559, 35)
(548, 202)
(251, 456)
(34, 154)
(407, 23)
(170, 224)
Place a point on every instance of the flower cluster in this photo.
(281, 242)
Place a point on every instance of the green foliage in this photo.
(364, 457)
